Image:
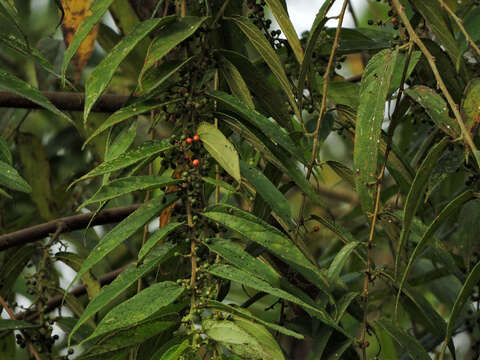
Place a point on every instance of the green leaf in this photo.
(119, 141)
(219, 183)
(269, 192)
(125, 113)
(340, 259)
(387, 346)
(406, 341)
(241, 312)
(5, 155)
(172, 353)
(246, 279)
(416, 193)
(127, 185)
(98, 9)
(265, 50)
(13, 263)
(373, 94)
(11, 83)
(9, 10)
(99, 79)
(471, 106)
(452, 207)
(128, 337)
(343, 171)
(317, 27)
(399, 67)
(124, 230)
(131, 157)
(436, 109)
(138, 308)
(10, 178)
(168, 38)
(270, 128)
(122, 282)
(237, 85)
(467, 288)
(220, 148)
(16, 325)
(235, 255)
(155, 238)
(281, 15)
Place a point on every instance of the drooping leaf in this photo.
(219, 183)
(10, 12)
(220, 148)
(124, 230)
(101, 76)
(267, 191)
(138, 308)
(173, 353)
(281, 15)
(468, 227)
(122, 282)
(75, 12)
(10, 178)
(168, 38)
(237, 85)
(268, 54)
(340, 259)
(11, 83)
(436, 108)
(373, 94)
(156, 237)
(471, 106)
(406, 341)
(16, 325)
(416, 193)
(126, 185)
(97, 11)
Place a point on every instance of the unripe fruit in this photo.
(196, 162)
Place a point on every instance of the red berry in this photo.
(189, 140)
(196, 138)
(195, 162)
(186, 157)
(316, 228)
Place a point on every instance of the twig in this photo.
(220, 13)
(10, 313)
(323, 107)
(461, 27)
(431, 61)
(70, 223)
(68, 101)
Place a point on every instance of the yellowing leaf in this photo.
(76, 11)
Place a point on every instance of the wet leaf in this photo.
(220, 148)
(471, 106)
(10, 178)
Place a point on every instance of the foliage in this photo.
(269, 196)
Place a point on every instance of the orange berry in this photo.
(316, 228)
(189, 140)
(195, 162)
(196, 138)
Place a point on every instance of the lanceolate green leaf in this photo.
(436, 108)
(126, 113)
(98, 9)
(15, 325)
(373, 94)
(283, 20)
(131, 157)
(267, 191)
(242, 277)
(10, 178)
(124, 230)
(98, 81)
(119, 187)
(5, 154)
(452, 207)
(173, 353)
(220, 148)
(169, 37)
(340, 259)
(265, 50)
(471, 105)
(11, 83)
(467, 288)
(415, 196)
(156, 237)
(406, 341)
(138, 308)
(237, 85)
(270, 128)
(122, 282)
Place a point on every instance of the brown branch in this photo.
(57, 300)
(68, 101)
(66, 224)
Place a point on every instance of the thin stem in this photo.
(10, 313)
(220, 13)
(323, 107)
(440, 83)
